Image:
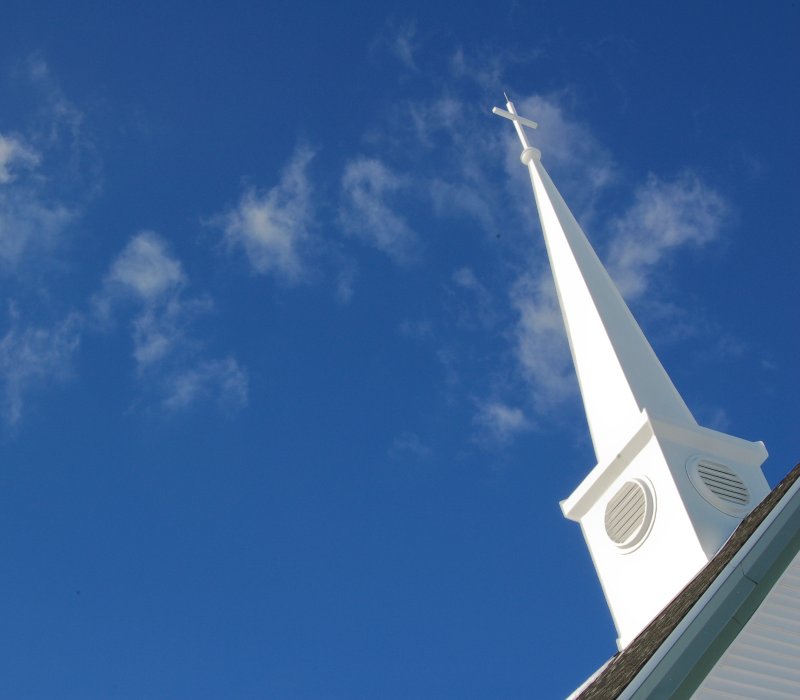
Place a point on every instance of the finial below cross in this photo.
(519, 122)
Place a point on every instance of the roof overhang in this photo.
(672, 656)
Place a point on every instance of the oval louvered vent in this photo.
(628, 515)
(724, 482)
(721, 486)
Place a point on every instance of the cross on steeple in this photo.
(519, 122)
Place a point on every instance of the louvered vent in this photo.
(626, 513)
(724, 483)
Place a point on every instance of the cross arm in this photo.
(514, 117)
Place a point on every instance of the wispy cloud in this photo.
(146, 270)
(147, 274)
(487, 71)
(404, 44)
(273, 227)
(34, 356)
(488, 68)
(465, 199)
(222, 380)
(345, 279)
(539, 341)
(31, 228)
(665, 216)
(499, 421)
(47, 174)
(431, 117)
(48, 171)
(417, 329)
(159, 331)
(368, 185)
(66, 167)
(59, 129)
(409, 444)
(400, 41)
(449, 134)
(168, 356)
(32, 221)
(470, 304)
(14, 154)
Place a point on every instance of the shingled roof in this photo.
(625, 666)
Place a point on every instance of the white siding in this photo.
(764, 660)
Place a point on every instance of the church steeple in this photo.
(666, 493)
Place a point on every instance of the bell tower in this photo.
(666, 493)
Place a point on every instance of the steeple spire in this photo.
(618, 372)
(666, 493)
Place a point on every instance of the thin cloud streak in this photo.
(408, 445)
(14, 153)
(167, 355)
(404, 45)
(30, 229)
(500, 422)
(46, 176)
(222, 380)
(368, 186)
(399, 40)
(273, 227)
(33, 357)
(539, 341)
(665, 216)
(31, 222)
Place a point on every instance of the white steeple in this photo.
(666, 493)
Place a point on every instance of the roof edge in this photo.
(731, 591)
(747, 557)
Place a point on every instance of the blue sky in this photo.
(287, 408)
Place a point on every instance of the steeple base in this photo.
(655, 514)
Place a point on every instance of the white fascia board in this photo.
(724, 445)
(728, 578)
(721, 445)
(602, 476)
